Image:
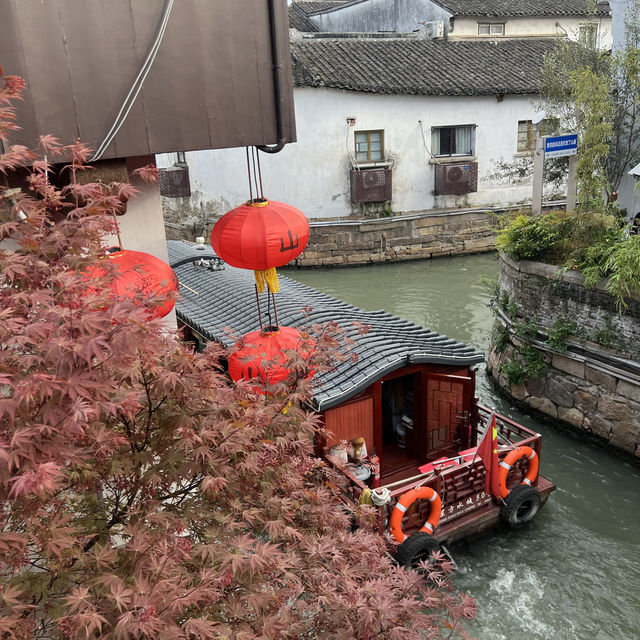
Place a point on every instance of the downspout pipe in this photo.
(277, 83)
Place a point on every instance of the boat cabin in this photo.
(401, 416)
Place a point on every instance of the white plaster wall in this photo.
(313, 174)
(467, 28)
(402, 16)
(629, 195)
(142, 227)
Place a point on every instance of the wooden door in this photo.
(448, 411)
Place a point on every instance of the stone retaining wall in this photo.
(408, 237)
(588, 387)
(366, 241)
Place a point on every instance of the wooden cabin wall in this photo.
(349, 421)
(439, 391)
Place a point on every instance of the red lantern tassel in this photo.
(267, 278)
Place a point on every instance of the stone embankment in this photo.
(589, 380)
(349, 242)
(406, 237)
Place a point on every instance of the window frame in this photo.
(530, 137)
(368, 141)
(472, 151)
(491, 26)
(547, 127)
(588, 33)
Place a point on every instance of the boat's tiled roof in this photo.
(212, 301)
(521, 8)
(421, 67)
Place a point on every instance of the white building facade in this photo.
(314, 174)
(387, 125)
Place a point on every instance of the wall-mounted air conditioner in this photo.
(456, 178)
(434, 29)
(174, 181)
(371, 185)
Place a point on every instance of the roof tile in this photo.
(421, 67)
(213, 300)
(521, 8)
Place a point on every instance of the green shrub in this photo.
(593, 243)
(527, 238)
(609, 337)
(561, 329)
(499, 338)
(623, 269)
(527, 330)
(528, 363)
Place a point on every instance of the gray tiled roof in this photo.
(319, 6)
(520, 8)
(421, 67)
(214, 300)
(298, 20)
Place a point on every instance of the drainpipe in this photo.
(277, 82)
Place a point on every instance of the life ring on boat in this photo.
(508, 462)
(405, 501)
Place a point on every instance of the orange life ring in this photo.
(405, 501)
(508, 462)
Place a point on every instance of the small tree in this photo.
(597, 94)
(143, 495)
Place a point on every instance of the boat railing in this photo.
(509, 432)
(461, 487)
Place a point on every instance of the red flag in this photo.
(488, 453)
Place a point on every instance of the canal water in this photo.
(573, 573)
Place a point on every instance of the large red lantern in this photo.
(262, 355)
(261, 235)
(136, 275)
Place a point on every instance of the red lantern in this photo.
(137, 274)
(262, 356)
(261, 235)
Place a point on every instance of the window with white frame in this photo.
(369, 146)
(526, 136)
(491, 28)
(453, 141)
(588, 34)
(527, 132)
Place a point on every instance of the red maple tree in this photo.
(142, 494)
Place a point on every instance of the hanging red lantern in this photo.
(137, 275)
(261, 355)
(261, 235)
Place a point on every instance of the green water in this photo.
(574, 572)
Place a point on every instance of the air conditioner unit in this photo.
(456, 178)
(371, 185)
(434, 29)
(174, 182)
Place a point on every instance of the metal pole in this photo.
(572, 184)
(538, 167)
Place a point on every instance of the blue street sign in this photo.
(559, 146)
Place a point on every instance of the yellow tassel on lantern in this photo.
(268, 278)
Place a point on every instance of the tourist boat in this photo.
(403, 418)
